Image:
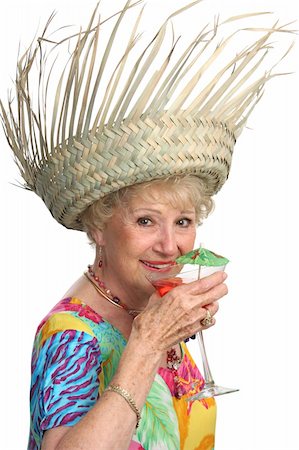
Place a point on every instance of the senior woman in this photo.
(90, 340)
(135, 151)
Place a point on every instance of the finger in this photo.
(208, 319)
(199, 315)
(214, 294)
(205, 284)
(212, 308)
(205, 326)
(202, 300)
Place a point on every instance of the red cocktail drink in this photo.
(165, 285)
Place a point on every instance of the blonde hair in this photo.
(177, 190)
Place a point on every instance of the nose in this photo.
(166, 242)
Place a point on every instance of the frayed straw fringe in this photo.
(131, 102)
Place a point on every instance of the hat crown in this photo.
(116, 125)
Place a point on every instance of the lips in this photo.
(158, 265)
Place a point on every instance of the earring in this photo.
(100, 258)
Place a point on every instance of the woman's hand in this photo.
(177, 315)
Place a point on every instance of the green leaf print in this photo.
(158, 429)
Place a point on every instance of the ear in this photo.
(97, 236)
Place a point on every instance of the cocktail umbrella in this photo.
(202, 257)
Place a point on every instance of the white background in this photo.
(255, 343)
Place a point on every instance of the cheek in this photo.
(188, 240)
(139, 240)
(130, 245)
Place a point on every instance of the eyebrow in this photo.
(187, 211)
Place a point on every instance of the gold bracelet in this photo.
(125, 394)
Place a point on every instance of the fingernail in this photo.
(224, 276)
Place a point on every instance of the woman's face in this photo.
(145, 236)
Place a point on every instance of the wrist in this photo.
(143, 348)
(137, 368)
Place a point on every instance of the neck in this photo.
(107, 294)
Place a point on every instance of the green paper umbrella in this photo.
(202, 257)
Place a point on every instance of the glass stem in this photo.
(207, 372)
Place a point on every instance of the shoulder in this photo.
(73, 334)
(71, 322)
(68, 314)
(66, 330)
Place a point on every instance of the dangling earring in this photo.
(100, 258)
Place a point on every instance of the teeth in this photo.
(156, 266)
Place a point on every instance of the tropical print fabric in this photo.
(75, 355)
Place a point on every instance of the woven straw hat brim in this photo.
(79, 173)
(145, 116)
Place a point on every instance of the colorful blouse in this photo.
(75, 355)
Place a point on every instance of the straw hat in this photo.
(114, 127)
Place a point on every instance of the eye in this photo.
(144, 221)
(184, 222)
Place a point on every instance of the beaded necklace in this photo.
(100, 287)
(173, 361)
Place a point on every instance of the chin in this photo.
(145, 289)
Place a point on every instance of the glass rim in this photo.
(196, 268)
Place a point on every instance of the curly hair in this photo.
(175, 190)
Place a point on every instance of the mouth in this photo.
(158, 265)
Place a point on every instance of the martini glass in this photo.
(178, 274)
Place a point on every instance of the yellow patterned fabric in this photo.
(75, 355)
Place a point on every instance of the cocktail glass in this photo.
(178, 274)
